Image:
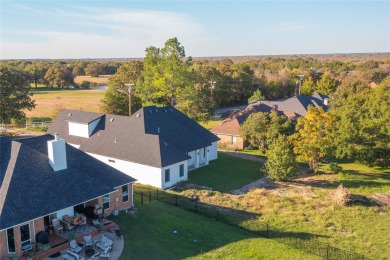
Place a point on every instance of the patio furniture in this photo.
(67, 256)
(89, 251)
(75, 255)
(88, 241)
(67, 225)
(56, 225)
(105, 243)
(74, 247)
(94, 257)
(105, 254)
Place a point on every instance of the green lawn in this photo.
(149, 234)
(211, 124)
(227, 173)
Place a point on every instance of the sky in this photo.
(59, 29)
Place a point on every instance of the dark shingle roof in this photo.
(152, 136)
(30, 188)
(84, 118)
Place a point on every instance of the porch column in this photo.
(207, 156)
(197, 158)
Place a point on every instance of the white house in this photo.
(156, 146)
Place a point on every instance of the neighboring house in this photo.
(42, 178)
(156, 146)
(229, 130)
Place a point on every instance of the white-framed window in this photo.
(25, 238)
(234, 140)
(125, 193)
(181, 174)
(106, 201)
(11, 241)
(167, 175)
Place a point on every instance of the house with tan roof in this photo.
(229, 129)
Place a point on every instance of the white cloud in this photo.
(103, 33)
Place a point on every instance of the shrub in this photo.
(335, 168)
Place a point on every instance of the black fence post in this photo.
(327, 251)
(157, 193)
(142, 198)
(150, 196)
(176, 200)
(267, 235)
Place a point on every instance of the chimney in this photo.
(56, 151)
(274, 107)
(326, 101)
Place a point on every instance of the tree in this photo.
(308, 87)
(280, 163)
(116, 98)
(327, 84)
(257, 96)
(260, 129)
(165, 74)
(78, 71)
(313, 138)
(362, 130)
(14, 94)
(36, 72)
(59, 76)
(93, 69)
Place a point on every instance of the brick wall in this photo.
(226, 140)
(120, 204)
(3, 243)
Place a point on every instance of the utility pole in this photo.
(300, 83)
(130, 86)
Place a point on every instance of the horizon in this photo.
(119, 29)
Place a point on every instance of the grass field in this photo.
(227, 173)
(211, 124)
(101, 80)
(304, 205)
(77, 99)
(149, 234)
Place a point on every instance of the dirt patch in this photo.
(264, 182)
(382, 199)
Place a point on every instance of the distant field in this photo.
(102, 79)
(46, 101)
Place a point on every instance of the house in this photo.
(43, 179)
(156, 146)
(229, 129)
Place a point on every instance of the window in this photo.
(234, 139)
(11, 240)
(25, 237)
(181, 170)
(167, 175)
(106, 201)
(125, 193)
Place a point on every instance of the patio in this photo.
(61, 245)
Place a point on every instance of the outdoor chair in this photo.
(105, 243)
(74, 247)
(75, 255)
(88, 241)
(57, 225)
(105, 254)
(95, 256)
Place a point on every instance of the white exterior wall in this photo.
(68, 211)
(174, 174)
(77, 129)
(213, 151)
(191, 161)
(142, 173)
(91, 126)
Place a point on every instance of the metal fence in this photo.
(38, 124)
(245, 220)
